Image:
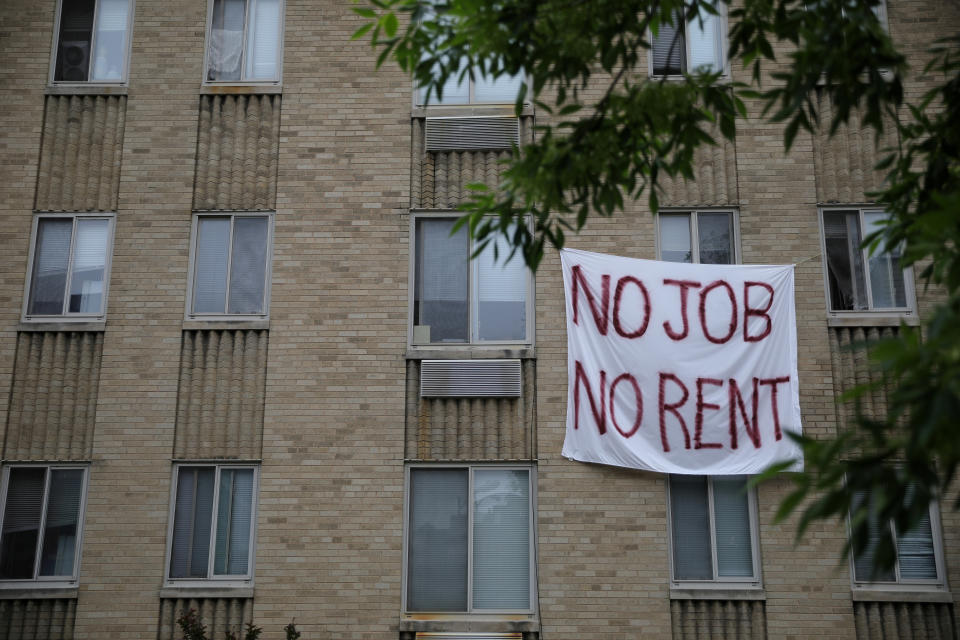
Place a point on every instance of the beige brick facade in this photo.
(324, 394)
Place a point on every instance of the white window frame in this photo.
(124, 75)
(718, 582)
(213, 580)
(722, 42)
(909, 291)
(25, 316)
(471, 102)
(189, 315)
(52, 582)
(694, 215)
(243, 51)
(470, 612)
(472, 303)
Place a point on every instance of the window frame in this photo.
(52, 582)
(25, 315)
(243, 50)
(723, 42)
(189, 314)
(694, 214)
(212, 580)
(719, 582)
(470, 104)
(470, 344)
(909, 291)
(531, 519)
(55, 50)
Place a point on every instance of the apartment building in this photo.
(246, 369)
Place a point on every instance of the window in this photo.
(93, 40)
(478, 90)
(230, 266)
(42, 522)
(857, 280)
(213, 523)
(713, 530)
(459, 300)
(919, 555)
(469, 539)
(707, 237)
(694, 46)
(69, 267)
(244, 41)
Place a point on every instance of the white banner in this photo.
(680, 368)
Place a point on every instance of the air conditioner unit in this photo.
(74, 60)
(470, 378)
(472, 133)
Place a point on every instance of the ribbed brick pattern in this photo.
(844, 164)
(718, 619)
(220, 401)
(53, 402)
(40, 619)
(714, 178)
(80, 153)
(904, 621)
(852, 367)
(217, 614)
(471, 428)
(237, 145)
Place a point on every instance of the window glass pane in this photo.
(441, 309)
(21, 523)
(731, 512)
(669, 51)
(704, 36)
(501, 539)
(915, 554)
(845, 276)
(863, 564)
(501, 293)
(690, 520)
(248, 265)
(263, 40)
(62, 524)
(437, 545)
(675, 238)
(110, 43)
(234, 511)
(716, 238)
(502, 89)
(49, 280)
(454, 90)
(89, 265)
(193, 515)
(226, 40)
(886, 274)
(73, 50)
(210, 283)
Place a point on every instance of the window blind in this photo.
(503, 89)
(690, 515)
(89, 264)
(234, 518)
(501, 293)
(248, 265)
(501, 539)
(704, 35)
(57, 557)
(21, 522)
(48, 282)
(864, 567)
(263, 40)
(442, 280)
(110, 41)
(886, 274)
(191, 523)
(675, 238)
(212, 254)
(731, 513)
(669, 51)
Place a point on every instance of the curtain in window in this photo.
(669, 51)
(234, 513)
(501, 293)
(263, 40)
(501, 539)
(442, 285)
(226, 40)
(502, 89)
(248, 265)
(716, 238)
(886, 274)
(846, 280)
(690, 515)
(21, 523)
(675, 238)
(193, 516)
(704, 35)
(110, 41)
(63, 517)
(89, 264)
(437, 546)
(212, 255)
(731, 513)
(49, 280)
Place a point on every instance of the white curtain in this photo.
(225, 45)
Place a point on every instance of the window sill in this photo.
(36, 592)
(468, 110)
(87, 89)
(872, 319)
(722, 591)
(63, 325)
(901, 593)
(194, 325)
(241, 88)
(467, 623)
(205, 591)
(469, 352)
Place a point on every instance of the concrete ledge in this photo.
(86, 90)
(469, 352)
(872, 320)
(241, 89)
(62, 326)
(189, 325)
(206, 592)
(730, 593)
(39, 593)
(905, 594)
(484, 624)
